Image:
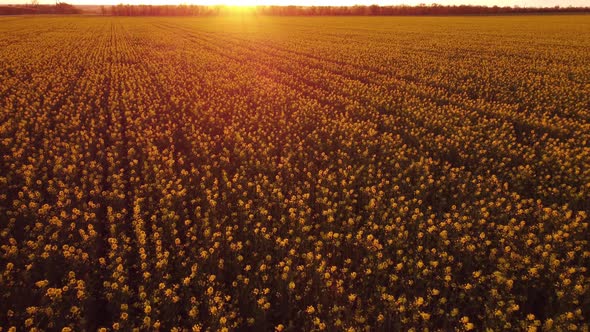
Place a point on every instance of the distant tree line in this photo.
(374, 10)
(35, 8)
(403, 10)
(164, 10)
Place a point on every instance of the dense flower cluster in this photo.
(287, 174)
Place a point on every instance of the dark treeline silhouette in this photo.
(403, 10)
(164, 10)
(58, 8)
(374, 10)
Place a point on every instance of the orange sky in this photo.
(522, 3)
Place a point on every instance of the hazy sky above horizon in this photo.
(521, 3)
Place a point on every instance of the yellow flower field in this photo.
(292, 174)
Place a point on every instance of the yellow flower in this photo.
(548, 324)
(419, 301)
(41, 283)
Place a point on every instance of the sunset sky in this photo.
(522, 3)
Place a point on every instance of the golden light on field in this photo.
(294, 173)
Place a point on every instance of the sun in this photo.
(253, 3)
(241, 3)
